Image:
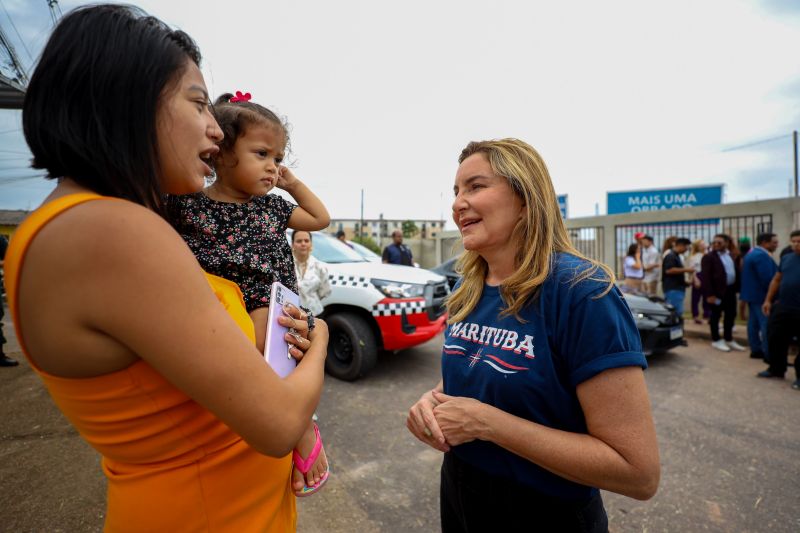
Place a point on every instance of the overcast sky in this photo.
(615, 95)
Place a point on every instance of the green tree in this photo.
(410, 229)
(368, 242)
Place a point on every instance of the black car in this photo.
(448, 270)
(660, 327)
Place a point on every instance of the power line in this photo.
(55, 11)
(19, 72)
(9, 181)
(10, 131)
(24, 46)
(756, 143)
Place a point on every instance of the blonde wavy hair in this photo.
(537, 236)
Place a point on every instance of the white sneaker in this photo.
(720, 345)
(735, 346)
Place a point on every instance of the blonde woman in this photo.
(666, 248)
(543, 399)
(698, 250)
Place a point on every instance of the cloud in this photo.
(615, 95)
(782, 7)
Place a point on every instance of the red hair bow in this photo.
(240, 97)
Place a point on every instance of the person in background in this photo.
(4, 359)
(720, 282)
(666, 248)
(758, 269)
(632, 268)
(697, 253)
(651, 263)
(784, 315)
(397, 253)
(673, 279)
(743, 249)
(312, 275)
(531, 429)
(340, 236)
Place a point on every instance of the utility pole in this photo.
(20, 77)
(55, 11)
(794, 136)
(361, 227)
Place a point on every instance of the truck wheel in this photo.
(352, 350)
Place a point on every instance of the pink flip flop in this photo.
(304, 465)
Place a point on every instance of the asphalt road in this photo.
(730, 451)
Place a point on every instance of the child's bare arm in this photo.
(311, 213)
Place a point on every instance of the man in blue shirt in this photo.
(758, 269)
(397, 253)
(784, 316)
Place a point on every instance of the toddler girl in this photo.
(237, 230)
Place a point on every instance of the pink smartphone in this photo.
(276, 349)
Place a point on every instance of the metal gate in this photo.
(588, 241)
(737, 227)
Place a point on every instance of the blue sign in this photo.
(562, 204)
(660, 199)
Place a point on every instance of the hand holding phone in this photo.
(276, 349)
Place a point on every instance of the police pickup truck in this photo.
(374, 306)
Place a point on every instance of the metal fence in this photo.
(451, 247)
(737, 227)
(588, 241)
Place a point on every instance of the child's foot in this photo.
(318, 470)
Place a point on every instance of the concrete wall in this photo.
(424, 251)
(785, 217)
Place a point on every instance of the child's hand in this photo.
(286, 178)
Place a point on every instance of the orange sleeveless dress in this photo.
(171, 464)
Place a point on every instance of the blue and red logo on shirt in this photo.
(489, 339)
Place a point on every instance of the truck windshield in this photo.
(330, 250)
(364, 252)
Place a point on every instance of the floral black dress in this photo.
(245, 243)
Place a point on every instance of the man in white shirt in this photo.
(651, 263)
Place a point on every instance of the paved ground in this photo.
(729, 447)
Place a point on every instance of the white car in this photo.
(375, 306)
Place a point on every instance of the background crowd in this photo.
(727, 279)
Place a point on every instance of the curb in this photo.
(705, 333)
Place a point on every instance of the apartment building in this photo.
(382, 228)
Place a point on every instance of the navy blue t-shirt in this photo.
(789, 289)
(532, 369)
